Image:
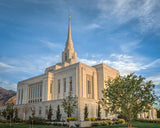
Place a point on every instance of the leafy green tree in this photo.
(128, 95)
(10, 111)
(85, 112)
(4, 113)
(99, 111)
(50, 113)
(69, 105)
(15, 113)
(58, 113)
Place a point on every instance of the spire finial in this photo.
(69, 43)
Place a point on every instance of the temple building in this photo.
(68, 77)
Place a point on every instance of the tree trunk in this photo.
(129, 124)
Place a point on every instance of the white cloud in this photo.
(29, 64)
(122, 11)
(155, 79)
(88, 62)
(7, 84)
(124, 63)
(5, 65)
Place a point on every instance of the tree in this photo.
(85, 112)
(15, 113)
(128, 96)
(157, 107)
(58, 113)
(4, 113)
(10, 111)
(69, 105)
(99, 111)
(50, 113)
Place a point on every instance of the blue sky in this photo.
(124, 34)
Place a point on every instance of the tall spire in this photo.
(69, 43)
(69, 56)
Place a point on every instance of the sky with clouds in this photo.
(124, 34)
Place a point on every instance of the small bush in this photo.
(104, 123)
(35, 120)
(71, 119)
(95, 124)
(121, 121)
(110, 122)
(90, 119)
(100, 123)
(16, 120)
(87, 119)
(4, 121)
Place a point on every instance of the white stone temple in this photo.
(59, 81)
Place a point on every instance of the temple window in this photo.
(64, 82)
(58, 86)
(35, 92)
(70, 84)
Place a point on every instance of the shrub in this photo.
(95, 124)
(104, 123)
(71, 119)
(4, 121)
(121, 121)
(110, 122)
(87, 119)
(100, 123)
(148, 121)
(92, 119)
(16, 120)
(35, 120)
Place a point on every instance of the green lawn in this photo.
(139, 125)
(27, 126)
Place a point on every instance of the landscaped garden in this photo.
(135, 124)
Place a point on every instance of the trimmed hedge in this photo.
(148, 121)
(102, 123)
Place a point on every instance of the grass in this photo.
(136, 124)
(20, 125)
